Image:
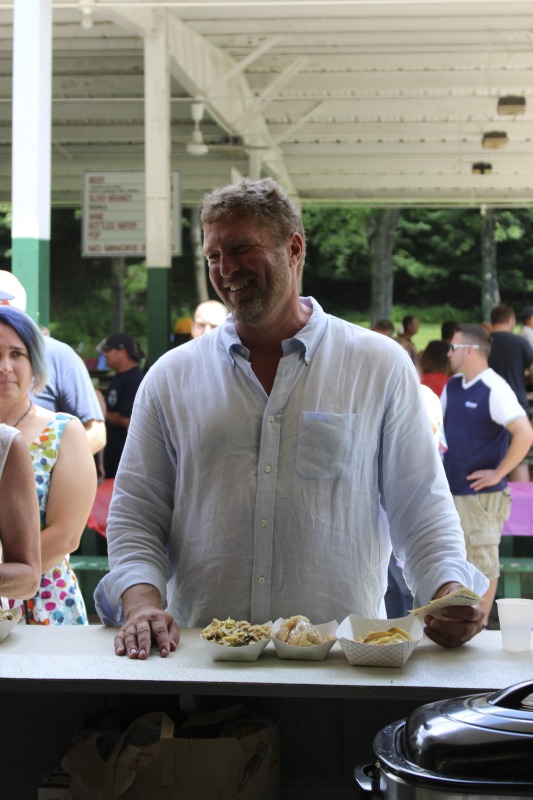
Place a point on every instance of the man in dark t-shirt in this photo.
(511, 356)
(122, 355)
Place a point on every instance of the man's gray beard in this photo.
(250, 312)
(254, 310)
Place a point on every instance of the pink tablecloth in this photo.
(98, 517)
(520, 523)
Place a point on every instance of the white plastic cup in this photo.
(516, 623)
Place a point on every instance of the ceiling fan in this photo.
(197, 146)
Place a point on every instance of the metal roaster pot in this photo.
(466, 748)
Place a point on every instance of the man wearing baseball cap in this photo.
(123, 355)
(181, 332)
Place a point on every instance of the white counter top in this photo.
(82, 659)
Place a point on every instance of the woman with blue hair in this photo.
(64, 469)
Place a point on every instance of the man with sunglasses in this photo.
(488, 433)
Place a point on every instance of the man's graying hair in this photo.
(265, 200)
(476, 334)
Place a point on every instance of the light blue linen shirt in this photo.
(237, 503)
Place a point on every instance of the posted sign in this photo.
(114, 214)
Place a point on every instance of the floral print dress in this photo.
(58, 600)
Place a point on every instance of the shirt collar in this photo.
(306, 340)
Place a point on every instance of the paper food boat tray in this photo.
(376, 655)
(247, 652)
(315, 652)
(7, 625)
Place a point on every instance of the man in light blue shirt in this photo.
(257, 457)
(69, 388)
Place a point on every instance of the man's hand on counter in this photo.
(146, 622)
(453, 625)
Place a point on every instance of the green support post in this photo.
(31, 265)
(158, 312)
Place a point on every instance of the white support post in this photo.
(31, 154)
(157, 145)
(157, 183)
(254, 165)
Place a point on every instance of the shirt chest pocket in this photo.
(326, 445)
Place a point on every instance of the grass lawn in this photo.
(426, 333)
(430, 318)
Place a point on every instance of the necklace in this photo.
(15, 424)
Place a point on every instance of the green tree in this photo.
(338, 257)
(437, 257)
(382, 229)
(5, 236)
(437, 262)
(514, 239)
(490, 289)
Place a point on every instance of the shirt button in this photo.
(264, 523)
(271, 417)
(268, 469)
(261, 579)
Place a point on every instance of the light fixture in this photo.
(511, 105)
(494, 140)
(86, 8)
(197, 146)
(481, 168)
